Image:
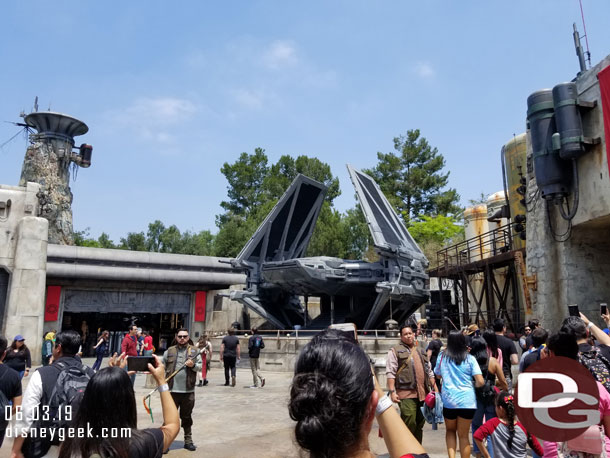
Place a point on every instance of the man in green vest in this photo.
(410, 378)
(182, 386)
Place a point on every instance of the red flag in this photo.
(51, 309)
(604, 87)
(200, 305)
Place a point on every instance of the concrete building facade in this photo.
(571, 266)
(23, 258)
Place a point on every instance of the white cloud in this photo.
(149, 117)
(424, 70)
(279, 54)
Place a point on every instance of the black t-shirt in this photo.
(18, 360)
(434, 345)
(507, 347)
(230, 343)
(10, 385)
(149, 444)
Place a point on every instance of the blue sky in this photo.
(172, 90)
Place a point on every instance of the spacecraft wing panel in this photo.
(387, 229)
(286, 231)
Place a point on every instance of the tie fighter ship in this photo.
(362, 292)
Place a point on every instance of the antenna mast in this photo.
(579, 52)
(582, 15)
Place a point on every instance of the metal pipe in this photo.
(98, 272)
(83, 254)
(579, 51)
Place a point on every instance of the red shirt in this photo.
(129, 346)
(148, 344)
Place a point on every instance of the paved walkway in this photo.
(245, 422)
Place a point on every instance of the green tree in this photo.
(327, 238)
(412, 178)
(200, 244)
(83, 238)
(153, 236)
(482, 199)
(356, 237)
(245, 177)
(286, 169)
(244, 213)
(105, 242)
(433, 233)
(170, 240)
(135, 241)
(233, 235)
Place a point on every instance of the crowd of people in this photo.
(465, 383)
(64, 392)
(473, 374)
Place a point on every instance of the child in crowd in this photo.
(509, 437)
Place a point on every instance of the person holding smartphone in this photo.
(108, 404)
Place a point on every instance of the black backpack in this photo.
(63, 402)
(486, 393)
(597, 364)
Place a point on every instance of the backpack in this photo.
(591, 444)
(487, 392)
(47, 348)
(597, 364)
(64, 401)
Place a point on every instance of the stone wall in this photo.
(47, 162)
(23, 254)
(574, 271)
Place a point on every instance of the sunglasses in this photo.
(183, 337)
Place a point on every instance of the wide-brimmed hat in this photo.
(472, 329)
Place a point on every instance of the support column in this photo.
(26, 298)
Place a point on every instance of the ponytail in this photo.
(505, 400)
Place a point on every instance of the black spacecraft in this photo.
(280, 280)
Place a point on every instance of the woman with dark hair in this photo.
(457, 369)
(18, 356)
(334, 399)
(493, 350)
(490, 369)
(109, 404)
(100, 350)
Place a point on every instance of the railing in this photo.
(303, 333)
(475, 249)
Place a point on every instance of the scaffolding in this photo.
(483, 273)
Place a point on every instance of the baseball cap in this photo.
(19, 337)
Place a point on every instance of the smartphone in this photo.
(139, 363)
(603, 308)
(573, 309)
